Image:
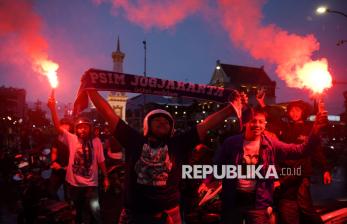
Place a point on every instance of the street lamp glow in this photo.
(321, 10)
(217, 67)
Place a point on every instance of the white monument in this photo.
(118, 100)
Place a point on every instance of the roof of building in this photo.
(246, 75)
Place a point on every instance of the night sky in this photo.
(82, 34)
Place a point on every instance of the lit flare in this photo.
(49, 69)
(315, 76)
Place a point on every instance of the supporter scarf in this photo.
(119, 82)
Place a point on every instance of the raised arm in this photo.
(218, 117)
(295, 151)
(261, 97)
(52, 107)
(104, 109)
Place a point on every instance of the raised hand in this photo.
(321, 122)
(277, 184)
(51, 103)
(56, 166)
(106, 184)
(202, 188)
(327, 177)
(261, 97)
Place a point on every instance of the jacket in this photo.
(270, 152)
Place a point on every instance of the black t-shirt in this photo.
(292, 132)
(153, 173)
(290, 184)
(62, 152)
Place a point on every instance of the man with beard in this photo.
(154, 159)
(252, 199)
(85, 157)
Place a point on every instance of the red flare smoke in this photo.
(156, 14)
(290, 52)
(20, 31)
(242, 20)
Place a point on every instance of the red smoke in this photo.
(20, 30)
(19, 23)
(290, 52)
(159, 14)
(242, 19)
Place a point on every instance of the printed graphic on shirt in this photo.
(82, 165)
(251, 152)
(154, 166)
(250, 157)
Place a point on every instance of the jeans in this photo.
(301, 210)
(86, 202)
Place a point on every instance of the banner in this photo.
(119, 82)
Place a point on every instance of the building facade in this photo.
(245, 79)
(12, 102)
(118, 100)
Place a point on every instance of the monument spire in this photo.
(117, 100)
(118, 45)
(118, 58)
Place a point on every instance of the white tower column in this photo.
(118, 100)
